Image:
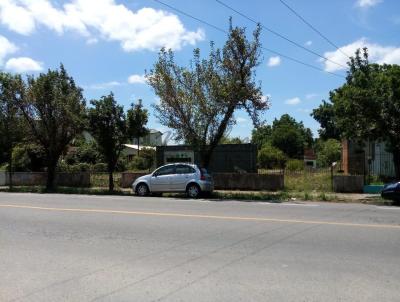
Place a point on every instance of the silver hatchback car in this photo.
(177, 177)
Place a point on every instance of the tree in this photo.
(54, 110)
(107, 124)
(137, 118)
(198, 102)
(11, 92)
(231, 140)
(367, 106)
(290, 136)
(286, 134)
(328, 151)
(261, 135)
(324, 115)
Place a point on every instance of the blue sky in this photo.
(107, 45)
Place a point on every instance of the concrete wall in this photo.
(248, 181)
(348, 183)
(229, 181)
(79, 179)
(3, 178)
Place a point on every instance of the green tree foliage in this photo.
(367, 106)
(270, 157)
(261, 135)
(54, 109)
(325, 116)
(28, 157)
(11, 127)
(328, 151)
(144, 161)
(198, 102)
(290, 136)
(82, 151)
(137, 118)
(231, 140)
(107, 123)
(286, 134)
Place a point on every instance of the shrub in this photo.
(270, 157)
(328, 152)
(99, 167)
(138, 163)
(28, 157)
(295, 165)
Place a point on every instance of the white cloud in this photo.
(92, 41)
(146, 28)
(23, 64)
(293, 101)
(101, 86)
(242, 120)
(377, 53)
(367, 3)
(308, 43)
(137, 79)
(6, 48)
(274, 61)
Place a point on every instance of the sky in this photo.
(107, 45)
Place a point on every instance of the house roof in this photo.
(135, 147)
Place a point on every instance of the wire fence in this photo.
(306, 178)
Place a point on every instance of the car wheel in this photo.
(142, 190)
(193, 191)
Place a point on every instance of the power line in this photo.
(313, 28)
(265, 48)
(279, 35)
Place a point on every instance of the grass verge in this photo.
(246, 196)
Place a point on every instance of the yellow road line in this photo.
(386, 226)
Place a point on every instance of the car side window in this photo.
(184, 169)
(167, 170)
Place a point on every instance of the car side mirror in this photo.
(155, 174)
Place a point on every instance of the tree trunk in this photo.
(205, 156)
(110, 181)
(51, 174)
(396, 161)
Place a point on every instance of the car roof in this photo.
(174, 164)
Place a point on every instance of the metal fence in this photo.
(306, 179)
(376, 168)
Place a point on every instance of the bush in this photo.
(295, 165)
(138, 163)
(270, 157)
(28, 157)
(328, 151)
(63, 166)
(99, 167)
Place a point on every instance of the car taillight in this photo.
(202, 176)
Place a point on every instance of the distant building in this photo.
(151, 140)
(310, 159)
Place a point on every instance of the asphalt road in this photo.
(101, 248)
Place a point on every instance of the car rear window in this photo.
(184, 169)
